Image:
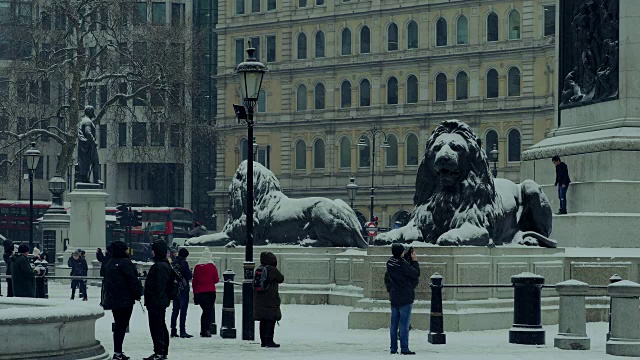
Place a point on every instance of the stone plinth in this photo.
(56, 224)
(572, 322)
(40, 328)
(87, 221)
(625, 319)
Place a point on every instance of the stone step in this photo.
(598, 197)
(597, 230)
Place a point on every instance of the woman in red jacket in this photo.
(205, 278)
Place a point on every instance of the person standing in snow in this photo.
(401, 279)
(78, 267)
(103, 258)
(562, 182)
(181, 302)
(156, 298)
(8, 251)
(266, 304)
(205, 278)
(23, 276)
(121, 291)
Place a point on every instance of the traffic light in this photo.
(122, 215)
(136, 218)
(375, 220)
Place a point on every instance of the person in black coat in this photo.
(121, 291)
(401, 279)
(562, 181)
(156, 298)
(78, 267)
(181, 302)
(8, 251)
(266, 304)
(104, 258)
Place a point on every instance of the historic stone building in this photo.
(338, 68)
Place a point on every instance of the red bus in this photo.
(14, 219)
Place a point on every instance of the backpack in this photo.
(260, 283)
(178, 282)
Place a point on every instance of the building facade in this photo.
(338, 68)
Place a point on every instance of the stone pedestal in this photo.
(572, 322)
(87, 221)
(600, 143)
(625, 319)
(55, 225)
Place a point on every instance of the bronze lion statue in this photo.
(277, 219)
(458, 202)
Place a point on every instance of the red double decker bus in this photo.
(14, 219)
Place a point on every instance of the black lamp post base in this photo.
(437, 339)
(248, 324)
(227, 333)
(526, 336)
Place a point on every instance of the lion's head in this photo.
(265, 185)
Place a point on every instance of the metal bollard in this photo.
(625, 319)
(228, 327)
(436, 320)
(572, 323)
(612, 280)
(527, 310)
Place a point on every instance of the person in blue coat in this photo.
(78, 266)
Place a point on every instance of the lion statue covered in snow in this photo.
(314, 221)
(458, 202)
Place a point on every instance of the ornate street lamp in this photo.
(494, 158)
(32, 157)
(250, 74)
(385, 145)
(352, 190)
(57, 186)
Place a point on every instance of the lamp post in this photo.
(250, 73)
(494, 158)
(374, 131)
(33, 157)
(352, 190)
(57, 186)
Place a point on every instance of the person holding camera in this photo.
(401, 279)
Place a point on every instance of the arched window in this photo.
(492, 27)
(441, 87)
(441, 32)
(319, 44)
(319, 96)
(345, 94)
(462, 30)
(302, 46)
(392, 151)
(392, 91)
(364, 153)
(412, 150)
(345, 152)
(412, 35)
(514, 25)
(492, 84)
(392, 37)
(262, 101)
(514, 82)
(412, 89)
(244, 151)
(346, 41)
(514, 145)
(365, 93)
(462, 86)
(301, 155)
(490, 139)
(365, 40)
(318, 154)
(301, 98)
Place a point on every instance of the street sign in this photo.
(372, 229)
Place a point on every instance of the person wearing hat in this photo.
(205, 278)
(156, 299)
(78, 267)
(8, 251)
(23, 276)
(401, 279)
(121, 291)
(181, 302)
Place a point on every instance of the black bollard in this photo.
(228, 327)
(614, 279)
(527, 310)
(436, 320)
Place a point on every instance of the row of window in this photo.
(411, 87)
(364, 152)
(442, 36)
(140, 132)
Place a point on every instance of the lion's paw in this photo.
(448, 239)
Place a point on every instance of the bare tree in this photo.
(121, 56)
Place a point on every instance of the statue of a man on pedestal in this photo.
(88, 148)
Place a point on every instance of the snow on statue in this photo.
(314, 221)
(458, 202)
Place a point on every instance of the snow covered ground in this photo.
(320, 332)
